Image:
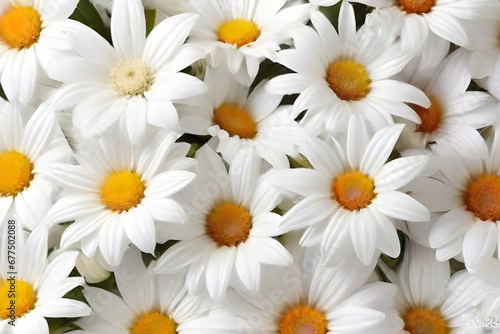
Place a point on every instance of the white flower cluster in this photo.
(249, 166)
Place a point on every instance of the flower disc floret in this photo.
(236, 121)
(421, 321)
(416, 6)
(303, 319)
(15, 173)
(353, 190)
(229, 224)
(131, 77)
(240, 32)
(348, 80)
(482, 197)
(122, 190)
(155, 323)
(25, 298)
(20, 27)
(430, 117)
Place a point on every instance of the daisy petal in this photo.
(399, 172)
(128, 28)
(401, 206)
(219, 268)
(307, 212)
(480, 242)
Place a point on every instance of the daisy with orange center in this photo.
(455, 113)
(308, 298)
(121, 194)
(31, 33)
(351, 197)
(231, 227)
(28, 138)
(37, 287)
(244, 33)
(345, 73)
(238, 117)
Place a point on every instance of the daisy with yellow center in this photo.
(351, 197)
(231, 228)
(308, 298)
(346, 73)
(136, 80)
(427, 299)
(149, 303)
(241, 117)
(449, 122)
(242, 34)
(24, 142)
(121, 194)
(35, 291)
(27, 31)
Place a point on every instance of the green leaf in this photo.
(87, 14)
(2, 94)
(150, 20)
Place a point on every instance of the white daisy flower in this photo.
(28, 139)
(39, 285)
(309, 298)
(231, 226)
(429, 300)
(347, 73)
(455, 114)
(137, 79)
(351, 196)
(470, 227)
(121, 194)
(32, 34)
(237, 118)
(149, 303)
(245, 32)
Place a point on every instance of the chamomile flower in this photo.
(243, 33)
(148, 304)
(351, 197)
(120, 194)
(309, 298)
(339, 75)
(429, 300)
(28, 139)
(231, 227)
(32, 34)
(137, 79)
(39, 285)
(469, 229)
(237, 118)
(455, 114)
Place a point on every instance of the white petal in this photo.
(302, 181)
(357, 140)
(399, 172)
(128, 28)
(307, 212)
(248, 270)
(140, 228)
(451, 225)
(400, 206)
(364, 235)
(480, 242)
(168, 183)
(63, 308)
(109, 306)
(219, 268)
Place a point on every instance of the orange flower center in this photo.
(122, 190)
(16, 299)
(424, 321)
(15, 173)
(229, 224)
(353, 190)
(239, 32)
(20, 27)
(155, 323)
(348, 79)
(415, 6)
(236, 121)
(430, 117)
(303, 320)
(482, 197)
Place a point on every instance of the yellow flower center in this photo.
(239, 32)
(424, 321)
(15, 173)
(415, 6)
(229, 224)
(348, 79)
(122, 190)
(20, 27)
(131, 77)
(482, 197)
(303, 320)
(16, 299)
(155, 323)
(236, 121)
(430, 117)
(353, 190)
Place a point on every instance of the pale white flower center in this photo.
(131, 77)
